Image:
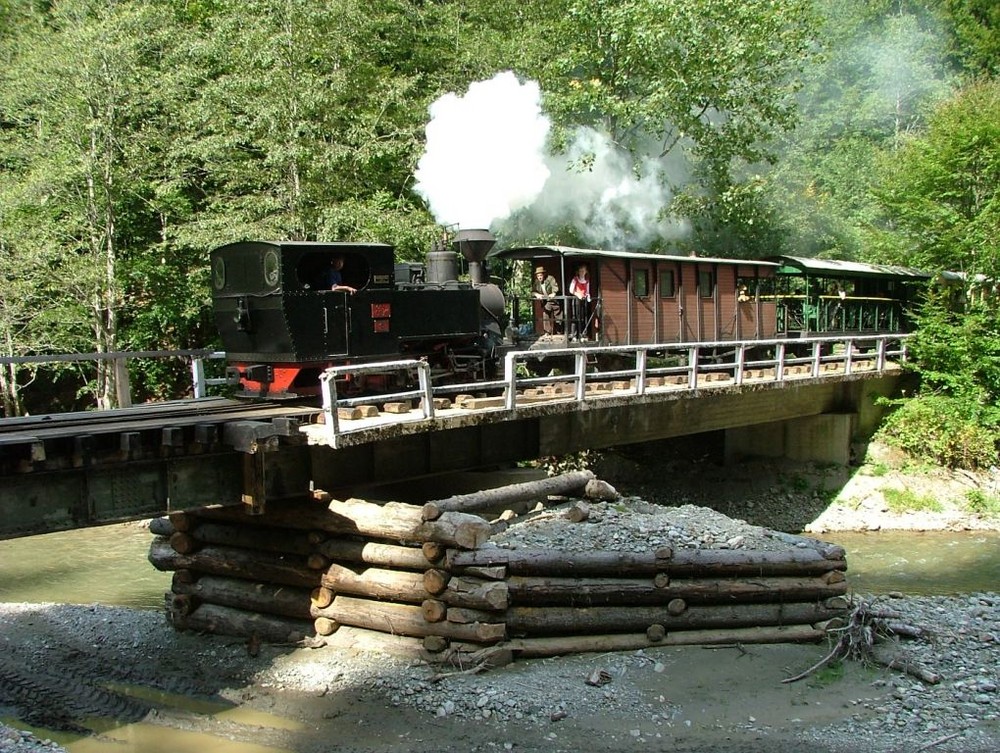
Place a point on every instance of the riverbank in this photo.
(65, 662)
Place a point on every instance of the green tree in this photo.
(942, 204)
(882, 70)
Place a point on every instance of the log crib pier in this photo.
(432, 573)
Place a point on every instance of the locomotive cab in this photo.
(281, 323)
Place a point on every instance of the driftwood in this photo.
(528, 590)
(497, 499)
(690, 562)
(265, 567)
(556, 646)
(859, 640)
(403, 619)
(286, 601)
(212, 618)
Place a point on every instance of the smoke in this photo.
(612, 198)
(485, 152)
(486, 166)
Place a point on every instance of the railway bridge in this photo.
(806, 399)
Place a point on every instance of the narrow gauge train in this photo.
(281, 323)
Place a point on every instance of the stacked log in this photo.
(429, 572)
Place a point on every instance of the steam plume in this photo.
(484, 154)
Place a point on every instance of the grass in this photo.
(827, 675)
(876, 470)
(906, 500)
(978, 501)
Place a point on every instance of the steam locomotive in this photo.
(282, 323)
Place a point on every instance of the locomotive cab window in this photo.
(320, 270)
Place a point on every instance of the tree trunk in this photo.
(497, 499)
(236, 563)
(609, 591)
(690, 562)
(597, 620)
(220, 620)
(285, 601)
(576, 644)
(404, 619)
(375, 583)
(383, 555)
(355, 517)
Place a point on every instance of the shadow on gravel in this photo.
(79, 669)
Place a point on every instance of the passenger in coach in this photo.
(546, 288)
(579, 289)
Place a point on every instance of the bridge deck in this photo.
(72, 470)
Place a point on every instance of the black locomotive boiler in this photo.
(281, 324)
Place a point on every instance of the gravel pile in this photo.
(633, 525)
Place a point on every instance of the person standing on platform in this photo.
(546, 288)
(579, 289)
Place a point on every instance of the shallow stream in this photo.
(108, 565)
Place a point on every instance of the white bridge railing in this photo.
(119, 363)
(636, 370)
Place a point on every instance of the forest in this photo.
(136, 135)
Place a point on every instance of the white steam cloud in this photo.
(485, 161)
(484, 154)
(612, 198)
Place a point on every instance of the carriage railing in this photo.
(526, 323)
(832, 313)
(639, 370)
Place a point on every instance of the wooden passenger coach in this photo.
(649, 298)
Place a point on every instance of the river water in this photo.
(108, 565)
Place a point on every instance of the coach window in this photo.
(640, 283)
(667, 283)
(706, 284)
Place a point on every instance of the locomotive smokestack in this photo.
(474, 245)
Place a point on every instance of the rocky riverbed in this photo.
(61, 663)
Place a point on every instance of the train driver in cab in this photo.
(333, 277)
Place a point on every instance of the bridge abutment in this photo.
(824, 438)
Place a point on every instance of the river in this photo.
(108, 565)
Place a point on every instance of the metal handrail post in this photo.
(581, 375)
(510, 377)
(640, 371)
(741, 355)
(880, 357)
(198, 383)
(848, 356)
(328, 388)
(424, 379)
(817, 358)
(779, 363)
(693, 368)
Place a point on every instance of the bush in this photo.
(939, 428)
